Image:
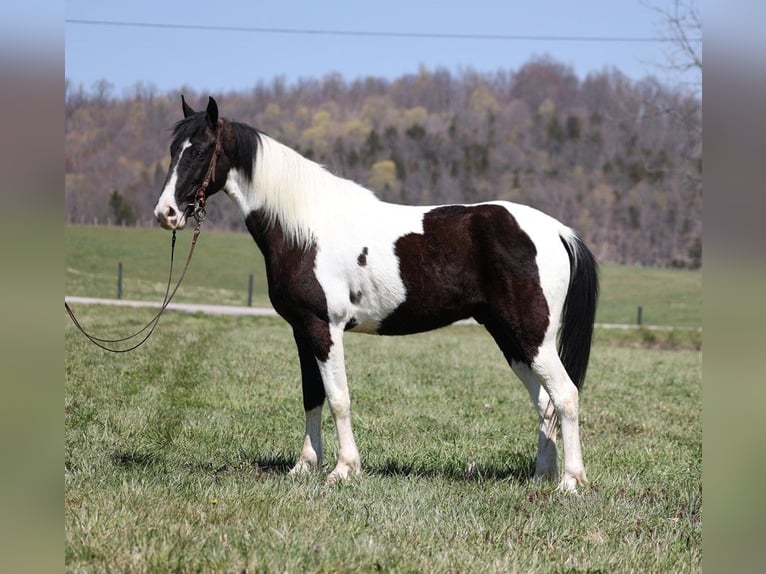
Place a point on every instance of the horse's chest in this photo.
(294, 289)
(361, 285)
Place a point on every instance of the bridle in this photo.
(196, 210)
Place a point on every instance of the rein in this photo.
(150, 326)
(196, 210)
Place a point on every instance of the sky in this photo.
(177, 44)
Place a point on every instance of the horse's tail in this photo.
(579, 312)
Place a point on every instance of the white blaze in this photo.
(166, 211)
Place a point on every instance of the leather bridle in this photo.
(198, 207)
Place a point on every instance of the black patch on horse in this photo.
(362, 259)
(472, 261)
(294, 290)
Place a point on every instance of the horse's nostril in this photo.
(171, 212)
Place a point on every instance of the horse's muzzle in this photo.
(169, 217)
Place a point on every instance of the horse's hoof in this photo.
(302, 467)
(569, 483)
(342, 472)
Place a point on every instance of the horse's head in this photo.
(197, 166)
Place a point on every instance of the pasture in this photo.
(176, 455)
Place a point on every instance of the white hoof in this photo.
(342, 472)
(570, 483)
(302, 467)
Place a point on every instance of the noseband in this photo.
(198, 207)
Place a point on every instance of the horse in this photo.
(340, 259)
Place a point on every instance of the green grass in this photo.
(218, 274)
(669, 297)
(176, 457)
(223, 261)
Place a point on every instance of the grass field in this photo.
(219, 272)
(223, 262)
(176, 456)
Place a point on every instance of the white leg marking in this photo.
(336, 388)
(546, 465)
(311, 453)
(565, 398)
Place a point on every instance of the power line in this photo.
(371, 33)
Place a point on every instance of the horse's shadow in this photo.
(134, 459)
(519, 468)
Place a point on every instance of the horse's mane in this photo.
(303, 196)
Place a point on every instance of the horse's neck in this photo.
(282, 176)
(299, 195)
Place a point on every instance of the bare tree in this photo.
(681, 28)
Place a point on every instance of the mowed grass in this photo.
(223, 261)
(176, 457)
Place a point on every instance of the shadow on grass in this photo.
(520, 468)
(264, 465)
(135, 460)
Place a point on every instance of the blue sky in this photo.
(219, 61)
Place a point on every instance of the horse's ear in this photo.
(186, 107)
(212, 113)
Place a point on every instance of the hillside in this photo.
(618, 160)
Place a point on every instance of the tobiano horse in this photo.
(339, 259)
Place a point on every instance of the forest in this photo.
(619, 160)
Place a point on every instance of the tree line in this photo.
(618, 160)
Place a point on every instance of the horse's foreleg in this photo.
(333, 371)
(311, 453)
(313, 400)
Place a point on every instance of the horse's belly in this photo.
(371, 303)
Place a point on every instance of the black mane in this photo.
(246, 140)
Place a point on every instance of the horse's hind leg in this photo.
(553, 377)
(547, 381)
(546, 465)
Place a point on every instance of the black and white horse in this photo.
(339, 259)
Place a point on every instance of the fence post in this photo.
(250, 291)
(639, 317)
(119, 280)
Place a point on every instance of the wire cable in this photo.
(372, 33)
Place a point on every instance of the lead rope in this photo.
(199, 215)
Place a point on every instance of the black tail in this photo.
(579, 312)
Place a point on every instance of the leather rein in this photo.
(196, 210)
